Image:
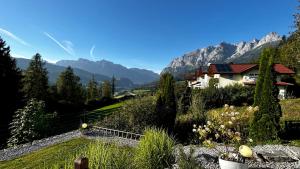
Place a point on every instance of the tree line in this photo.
(32, 109)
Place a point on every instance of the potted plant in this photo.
(226, 129)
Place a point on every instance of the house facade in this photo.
(244, 74)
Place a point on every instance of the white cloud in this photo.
(12, 36)
(65, 45)
(92, 52)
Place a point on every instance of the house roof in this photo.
(279, 68)
(241, 68)
(230, 68)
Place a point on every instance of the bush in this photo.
(183, 130)
(135, 115)
(213, 97)
(155, 150)
(30, 123)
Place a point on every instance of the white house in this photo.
(244, 74)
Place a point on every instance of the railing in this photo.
(102, 131)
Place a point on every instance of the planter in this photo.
(224, 164)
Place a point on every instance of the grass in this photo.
(290, 110)
(47, 156)
(295, 143)
(99, 114)
(154, 151)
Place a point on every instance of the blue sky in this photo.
(136, 33)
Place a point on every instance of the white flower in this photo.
(208, 123)
(222, 126)
(194, 126)
(194, 130)
(250, 108)
(250, 140)
(231, 107)
(230, 122)
(226, 105)
(237, 113)
(256, 108)
(232, 118)
(217, 136)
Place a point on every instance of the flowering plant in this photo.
(226, 130)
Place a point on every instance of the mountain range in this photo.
(107, 68)
(242, 52)
(121, 82)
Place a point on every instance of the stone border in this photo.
(13, 152)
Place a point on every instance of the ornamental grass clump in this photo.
(155, 150)
(226, 130)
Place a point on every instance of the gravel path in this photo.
(13, 152)
(208, 158)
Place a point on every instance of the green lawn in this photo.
(290, 110)
(46, 157)
(99, 114)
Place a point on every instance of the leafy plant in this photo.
(226, 130)
(187, 160)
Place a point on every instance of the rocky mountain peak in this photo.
(223, 52)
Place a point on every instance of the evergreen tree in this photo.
(10, 93)
(262, 69)
(184, 101)
(92, 90)
(166, 103)
(113, 87)
(265, 125)
(36, 79)
(106, 89)
(29, 123)
(69, 87)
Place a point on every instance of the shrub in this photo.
(30, 123)
(135, 115)
(212, 97)
(182, 130)
(155, 150)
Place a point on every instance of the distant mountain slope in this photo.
(55, 70)
(107, 68)
(242, 52)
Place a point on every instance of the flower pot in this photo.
(224, 164)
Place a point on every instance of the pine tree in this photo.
(10, 91)
(262, 69)
(106, 89)
(69, 87)
(36, 79)
(166, 103)
(113, 87)
(184, 101)
(29, 123)
(92, 90)
(265, 125)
